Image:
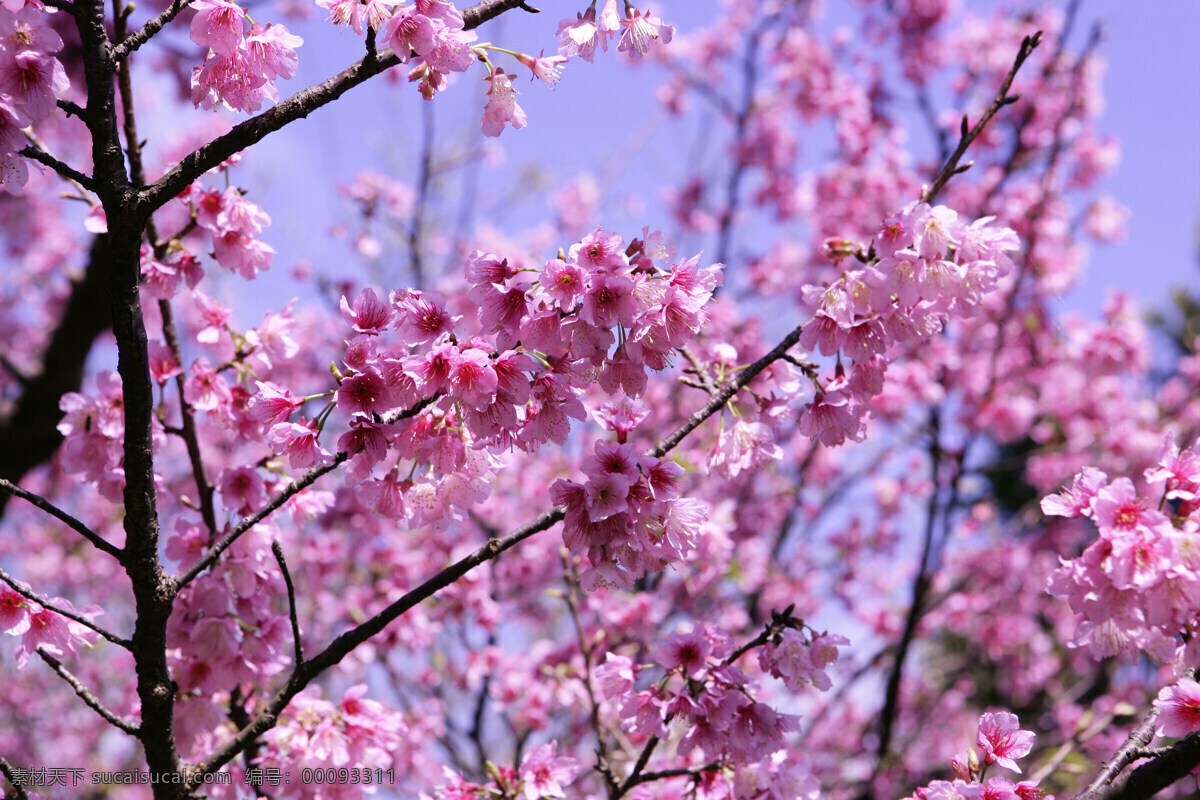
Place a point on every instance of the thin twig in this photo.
(718, 400)
(187, 429)
(298, 646)
(635, 776)
(86, 696)
(298, 106)
(17, 587)
(951, 167)
(10, 772)
(100, 543)
(139, 37)
(571, 596)
(294, 488)
(1129, 752)
(70, 173)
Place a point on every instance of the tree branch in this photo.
(1105, 786)
(346, 643)
(29, 436)
(10, 772)
(70, 173)
(187, 431)
(17, 587)
(139, 37)
(1175, 763)
(718, 400)
(292, 489)
(56, 512)
(299, 105)
(297, 645)
(951, 167)
(86, 696)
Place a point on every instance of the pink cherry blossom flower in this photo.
(161, 280)
(1178, 708)
(451, 51)
(1118, 506)
(1180, 471)
(53, 632)
(409, 32)
(298, 441)
(163, 363)
(423, 316)
(642, 32)
(271, 51)
(369, 314)
(616, 676)
(355, 12)
(242, 489)
(544, 773)
(687, 650)
(609, 300)
(563, 282)
(272, 404)
(502, 104)
(363, 393)
(26, 29)
(218, 24)
(581, 36)
(239, 253)
(33, 81)
(239, 215)
(621, 416)
(14, 611)
(744, 445)
(1076, 501)
(472, 378)
(12, 120)
(548, 70)
(607, 495)
(831, 418)
(205, 389)
(1001, 739)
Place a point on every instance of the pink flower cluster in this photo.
(1137, 587)
(801, 661)
(628, 516)
(31, 80)
(233, 224)
(640, 32)
(40, 627)
(542, 774)
(925, 265)
(242, 66)
(316, 734)
(226, 630)
(705, 698)
(94, 425)
(601, 315)
(432, 31)
(1001, 741)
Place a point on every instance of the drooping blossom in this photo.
(502, 104)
